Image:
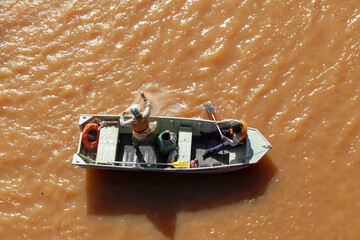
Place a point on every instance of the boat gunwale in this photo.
(86, 118)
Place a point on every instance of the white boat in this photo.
(112, 147)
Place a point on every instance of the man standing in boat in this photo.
(234, 134)
(142, 129)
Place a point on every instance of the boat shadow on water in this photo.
(160, 196)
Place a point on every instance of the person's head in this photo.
(135, 110)
(237, 128)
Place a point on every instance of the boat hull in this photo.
(116, 153)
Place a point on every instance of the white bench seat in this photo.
(184, 143)
(107, 148)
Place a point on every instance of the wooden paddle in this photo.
(210, 109)
(177, 164)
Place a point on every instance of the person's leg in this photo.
(135, 142)
(221, 146)
(226, 133)
(152, 137)
(216, 149)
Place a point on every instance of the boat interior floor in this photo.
(150, 153)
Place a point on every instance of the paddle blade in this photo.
(181, 164)
(209, 107)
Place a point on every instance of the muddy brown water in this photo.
(289, 68)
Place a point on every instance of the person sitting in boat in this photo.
(233, 135)
(142, 129)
